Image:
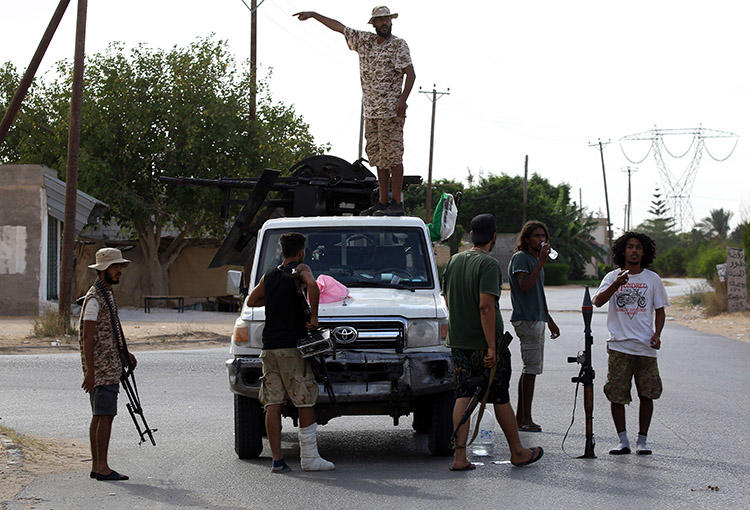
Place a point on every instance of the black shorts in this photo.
(468, 365)
(104, 400)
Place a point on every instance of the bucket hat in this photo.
(105, 257)
(380, 11)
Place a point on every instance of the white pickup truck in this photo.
(389, 333)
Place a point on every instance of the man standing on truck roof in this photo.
(383, 61)
(471, 284)
(285, 373)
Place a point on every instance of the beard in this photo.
(384, 32)
(111, 279)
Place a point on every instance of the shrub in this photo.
(715, 302)
(703, 264)
(556, 274)
(604, 269)
(48, 324)
(672, 262)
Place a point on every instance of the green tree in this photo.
(716, 224)
(149, 113)
(660, 227)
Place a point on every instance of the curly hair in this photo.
(618, 249)
(523, 237)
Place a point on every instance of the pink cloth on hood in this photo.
(331, 290)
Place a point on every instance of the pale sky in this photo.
(541, 78)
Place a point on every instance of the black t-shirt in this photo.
(285, 310)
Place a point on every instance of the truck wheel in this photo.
(249, 425)
(441, 425)
(421, 418)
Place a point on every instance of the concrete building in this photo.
(32, 207)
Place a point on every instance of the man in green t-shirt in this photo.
(471, 284)
(530, 314)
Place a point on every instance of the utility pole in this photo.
(629, 210)
(28, 77)
(525, 188)
(433, 96)
(253, 8)
(71, 178)
(601, 145)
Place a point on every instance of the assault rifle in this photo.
(586, 377)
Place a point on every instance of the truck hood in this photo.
(369, 302)
(378, 302)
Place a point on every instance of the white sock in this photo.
(641, 442)
(624, 442)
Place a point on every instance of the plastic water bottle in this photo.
(484, 444)
(552, 253)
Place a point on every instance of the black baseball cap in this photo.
(482, 228)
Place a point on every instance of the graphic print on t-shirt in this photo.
(631, 299)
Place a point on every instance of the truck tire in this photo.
(421, 417)
(441, 424)
(249, 426)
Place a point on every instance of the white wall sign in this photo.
(12, 249)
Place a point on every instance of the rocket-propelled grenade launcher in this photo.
(586, 375)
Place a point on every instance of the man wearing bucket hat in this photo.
(99, 334)
(383, 61)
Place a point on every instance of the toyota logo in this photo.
(344, 334)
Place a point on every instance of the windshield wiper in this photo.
(367, 283)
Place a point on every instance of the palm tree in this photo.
(716, 224)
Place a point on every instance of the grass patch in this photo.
(50, 325)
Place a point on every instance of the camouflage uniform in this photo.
(381, 67)
(107, 362)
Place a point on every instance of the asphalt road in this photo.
(699, 436)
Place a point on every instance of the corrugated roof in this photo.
(88, 209)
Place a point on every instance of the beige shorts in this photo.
(385, 141)
(286, 376)
(531, 337)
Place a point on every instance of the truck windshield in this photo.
(359, 257)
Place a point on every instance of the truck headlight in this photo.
(423, 333)
(248, 334)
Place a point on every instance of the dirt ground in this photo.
(16, 336)
(24, 457)
(734, 325)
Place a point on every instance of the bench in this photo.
(148, 300)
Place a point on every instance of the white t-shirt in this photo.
(91, 311)
(630, 319)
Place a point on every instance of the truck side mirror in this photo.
(234, 280)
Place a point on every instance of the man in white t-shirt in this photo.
(634, 293)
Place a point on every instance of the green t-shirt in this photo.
(531, 305)
(468, 275)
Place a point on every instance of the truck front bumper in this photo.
(362, 376)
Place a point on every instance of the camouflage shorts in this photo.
(287, 375)
(385, 141)
(622, 368)
(468, 365)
